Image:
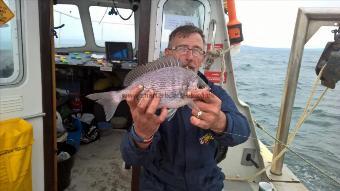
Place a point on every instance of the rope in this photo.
(303, 117)
(220, 52)
(298, 155)
(213, 54)
(223, 68)
(306, 113)
(252, 178)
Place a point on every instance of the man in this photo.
(178, 154)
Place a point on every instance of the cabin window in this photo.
(11, 65)
(177, 13)
(107, 26)
(69, 32)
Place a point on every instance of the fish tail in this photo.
(109, 101)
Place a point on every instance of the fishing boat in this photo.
(61, 46)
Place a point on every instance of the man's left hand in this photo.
(207, 112)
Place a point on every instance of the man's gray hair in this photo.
(184, 31)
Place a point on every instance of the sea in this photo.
(260, 77)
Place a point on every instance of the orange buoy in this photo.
(234, 26)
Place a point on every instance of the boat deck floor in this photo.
(98, 166)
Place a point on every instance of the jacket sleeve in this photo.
(133, 155)
(237, 130)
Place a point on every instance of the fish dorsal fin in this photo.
(168, 61)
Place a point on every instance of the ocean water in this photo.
(260, 75)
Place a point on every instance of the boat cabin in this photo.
(54, 53)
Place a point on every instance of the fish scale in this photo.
(166, 77)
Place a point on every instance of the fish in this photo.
(167, 77)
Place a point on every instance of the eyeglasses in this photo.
(183, 49)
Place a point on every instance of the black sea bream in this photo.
(165, 76)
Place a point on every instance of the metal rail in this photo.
(308, 22)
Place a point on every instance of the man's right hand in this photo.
(143, 111)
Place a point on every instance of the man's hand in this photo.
(207, 114)
(145, 120)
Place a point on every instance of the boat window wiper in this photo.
(54, 30)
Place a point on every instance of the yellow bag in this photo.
(16, 139)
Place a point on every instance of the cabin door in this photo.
(26, 81)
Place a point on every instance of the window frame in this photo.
(82, 26)
(17, 48)
(159, 24)
(132, 17)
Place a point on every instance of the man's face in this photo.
(189, 50)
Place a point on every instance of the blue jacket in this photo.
(176, 160)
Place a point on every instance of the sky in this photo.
(265, 23)
(270, 23)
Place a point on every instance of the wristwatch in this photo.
(137, 138)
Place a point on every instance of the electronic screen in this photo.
(118, 51)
